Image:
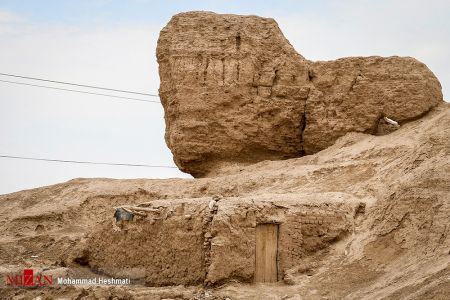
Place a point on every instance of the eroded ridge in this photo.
(235, 91)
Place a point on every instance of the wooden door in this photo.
(266, 269)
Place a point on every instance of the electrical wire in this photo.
(84, 92)
(80, 85)
(77, 91)
(86, 162)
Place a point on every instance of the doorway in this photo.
(266, 267)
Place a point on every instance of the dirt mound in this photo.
(235, 91)
(364, 218)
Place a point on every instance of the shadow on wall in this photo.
(204, 241)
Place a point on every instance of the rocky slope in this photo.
(235, 91)
(393, 189)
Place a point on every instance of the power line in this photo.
(87, 162)
(81, 85)
(77, 91)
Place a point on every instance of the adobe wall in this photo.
(192, 241)
(235, 92)
(164, 248)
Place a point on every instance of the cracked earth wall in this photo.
(193, 242)
(392, 190)
(235, 91)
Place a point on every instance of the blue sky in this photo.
(142, 10)
(112, 44)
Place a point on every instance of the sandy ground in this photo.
(399, 247)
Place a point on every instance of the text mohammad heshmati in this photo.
(93, 281)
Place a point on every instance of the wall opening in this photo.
(266, 266)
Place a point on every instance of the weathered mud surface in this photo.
(235, 92)
(367, 218)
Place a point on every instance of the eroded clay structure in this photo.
(235, 91)
(206, 241)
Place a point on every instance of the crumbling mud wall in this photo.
(164, 249)
(353, 94)
(304, 229)
(211, 241)
(235, 91)
(392, 242)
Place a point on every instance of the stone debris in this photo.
(122, 214)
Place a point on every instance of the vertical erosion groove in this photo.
(238, 41)
(205, 71)
(303, 124)
(238, 70)
(223, 71)
(211, 211)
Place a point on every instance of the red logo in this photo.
(29, 279)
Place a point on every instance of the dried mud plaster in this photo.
(365, 219)
(235, 91)
(212, 240)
